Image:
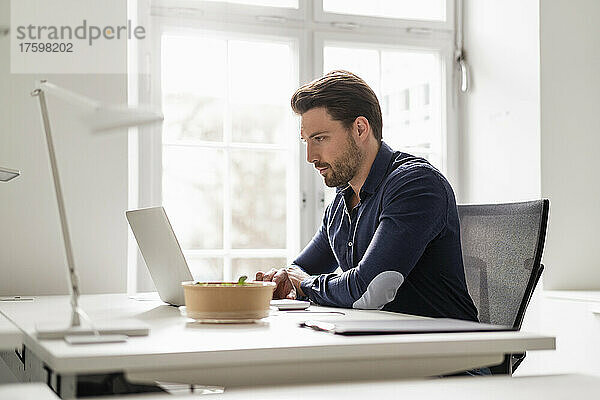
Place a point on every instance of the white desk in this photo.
(275, 350)
(553, 387)
(10, 336)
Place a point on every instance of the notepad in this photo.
(401, 326)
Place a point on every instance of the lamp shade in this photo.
(101, 117)
(6, 174)
(108, 117)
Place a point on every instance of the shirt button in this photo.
(349, 244)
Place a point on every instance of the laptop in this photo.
(165, 261)
(404, 326)
(161, 252)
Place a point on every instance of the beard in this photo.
(342, 170)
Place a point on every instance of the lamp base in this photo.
(121, 327)
(92, 339)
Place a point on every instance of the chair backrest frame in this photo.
(537, 263)
(537, 266)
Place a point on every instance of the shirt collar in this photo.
(378, 170)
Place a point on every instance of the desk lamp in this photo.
(6, 174)
(98, 117)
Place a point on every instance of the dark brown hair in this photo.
(344, 95)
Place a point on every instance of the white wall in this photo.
(499, 130)
(570, 118)
(94, 175)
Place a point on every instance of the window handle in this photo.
(464, 71)
(459, 56)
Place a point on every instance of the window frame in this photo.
(310, 29)
(350, 20)
(227, 12)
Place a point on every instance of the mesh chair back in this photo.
(502, 248)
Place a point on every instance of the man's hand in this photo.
(284, 289)
(296, 276)
(287, 280)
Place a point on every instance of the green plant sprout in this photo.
(241, 282)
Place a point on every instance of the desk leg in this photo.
(64, 385)
(15, 362)
(27, 367)
(506, 368)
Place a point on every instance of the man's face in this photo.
(330, 147)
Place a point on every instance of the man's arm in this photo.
(414, 213)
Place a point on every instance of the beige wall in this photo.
(570, 124)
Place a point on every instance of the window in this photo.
(228, 165)
(225, 145)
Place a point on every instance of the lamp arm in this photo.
(73, 278)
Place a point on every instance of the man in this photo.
(393, 225)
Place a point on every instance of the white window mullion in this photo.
(310, 213)
(380, 60)
(237, 253)
(224, 146)
(227, 273)
(318, 201)
(293, 203)
(449, 116)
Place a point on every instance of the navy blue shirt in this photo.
(399, 247)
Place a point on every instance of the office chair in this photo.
(502, 247)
